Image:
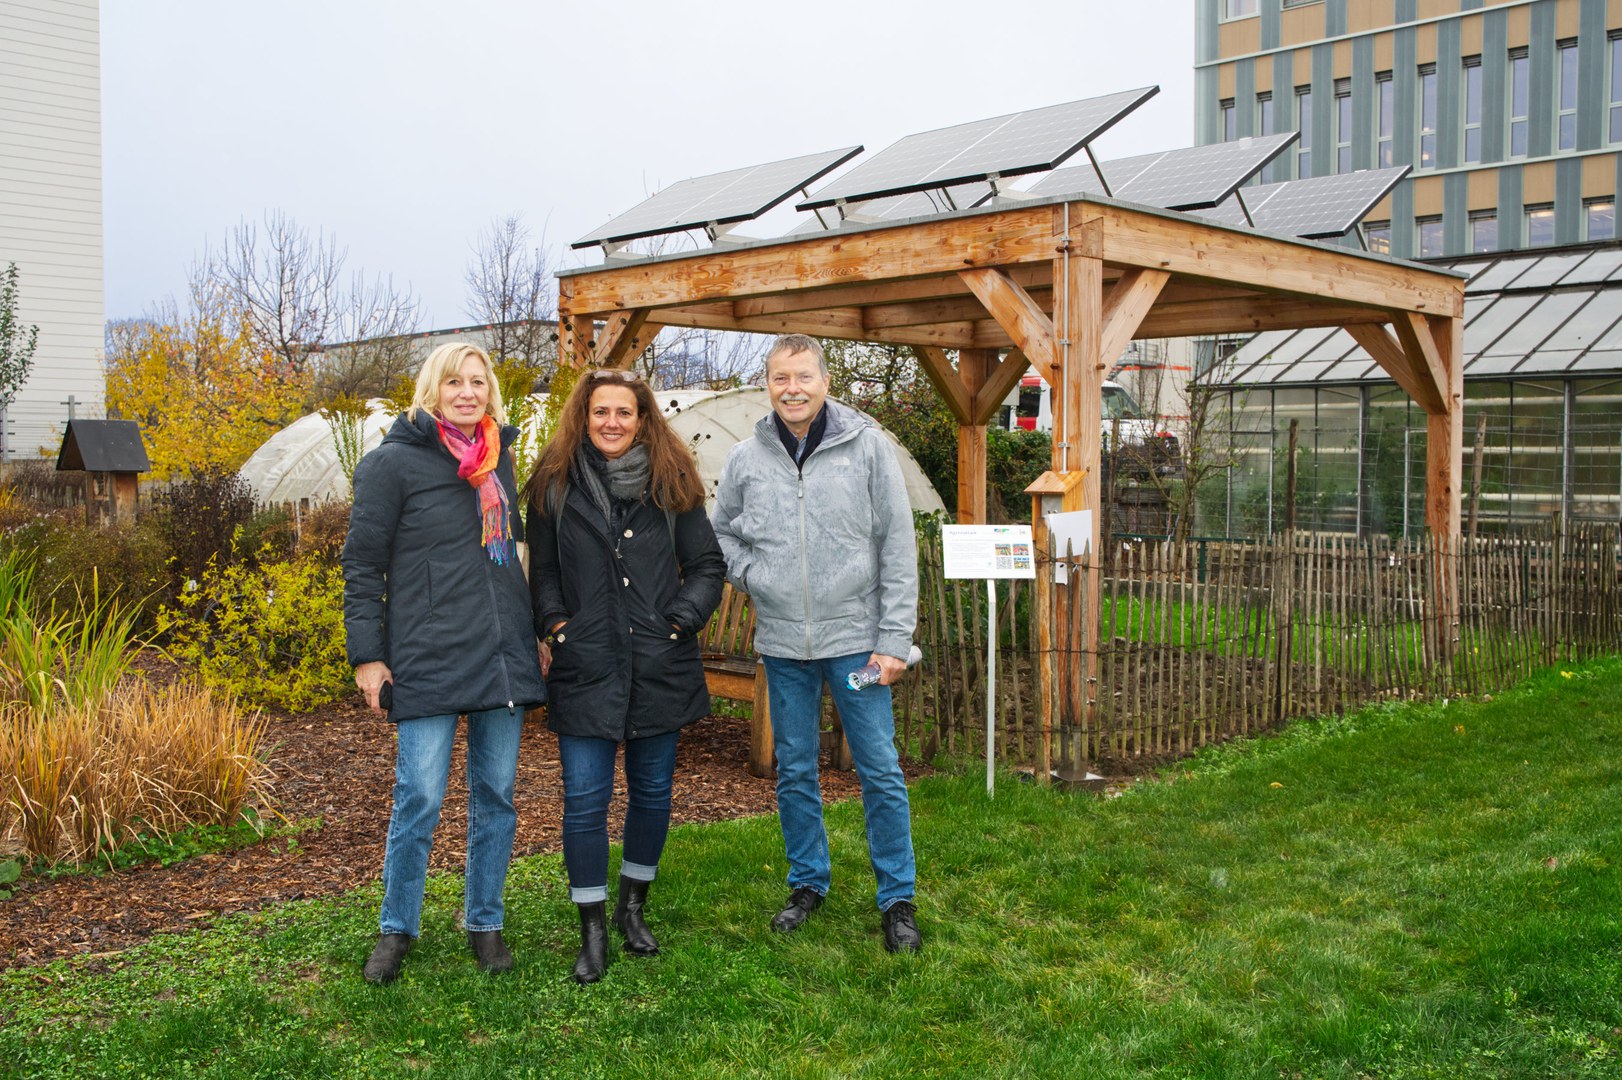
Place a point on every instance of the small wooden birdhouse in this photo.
(111, 455)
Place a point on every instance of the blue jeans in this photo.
(795, 687)
(588, 786)
(422, 764)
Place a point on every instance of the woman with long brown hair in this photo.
(624, 573)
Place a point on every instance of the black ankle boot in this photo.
(593, 959)
(639, 940)
(383, 966)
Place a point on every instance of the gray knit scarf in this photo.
(625, 477)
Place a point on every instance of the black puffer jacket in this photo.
(420, 591)
(620, 670)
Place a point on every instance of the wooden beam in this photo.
(576, 344)
(1185, 246)
(972, 365)
(622, 339)
(1414, 332)
(1124, 308)
(1378, 343)
(1000, 379)
(1444, 444)
(1250, 314)
(928, 312)
(946, 381)
(879, 254)
(1013, 309)
(943, 287)
(844, 325)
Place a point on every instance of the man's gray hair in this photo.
(789, 344)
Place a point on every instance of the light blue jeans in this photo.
(422, 764)
(795, 687)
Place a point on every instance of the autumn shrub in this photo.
(270, 633)
(200, 517)
(125, 562)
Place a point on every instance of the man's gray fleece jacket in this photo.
(826, 551)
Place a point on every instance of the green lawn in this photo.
(1421, 891)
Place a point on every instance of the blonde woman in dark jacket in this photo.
(624, 572)
(438, 625)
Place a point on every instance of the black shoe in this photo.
(593, 959)
(801, 903)
(490, 951)
(901, 927)
(383, 966)
(639, 940)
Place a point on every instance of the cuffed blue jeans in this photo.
(795, 687)
(422, 764)
(588, 787)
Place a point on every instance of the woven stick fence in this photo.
(1202, 641)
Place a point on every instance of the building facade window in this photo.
(1303, 124)
(1430, 237)
(1265, 126)
(1599, 219)
(1426, 159)
(1484, 230)
(1386, 95)
(1520, 100)
(1238, 9)
(1566, 117)
(1378, 236)
(1343, 125)
(1539, 226)
(1230, 129)
(1472, 110)
(1616, 89)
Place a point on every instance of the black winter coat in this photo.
(420, 591)
(620, 670)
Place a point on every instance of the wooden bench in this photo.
(734, 671)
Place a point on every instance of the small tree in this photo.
(346, 419)
(16, 342)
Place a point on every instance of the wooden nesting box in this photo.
(110, 454)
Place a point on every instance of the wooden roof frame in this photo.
(986, 282)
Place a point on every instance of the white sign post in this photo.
(989, 552)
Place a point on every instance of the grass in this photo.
(1408, 892)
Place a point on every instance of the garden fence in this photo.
(1204, 640)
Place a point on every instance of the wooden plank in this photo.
(971, 439)
(1036, 277)
(1444, 444)
(730, 685)
(882, 253)
(1077, 433)
(844, 324)
(1125, 306)
(946, 380)
(623, 339)
(760, 727)
(576, 340)
(1027, 325)
(1388, 353)
(1423, 352)
(1251, 314)
(1184, 246)
(1001, 378)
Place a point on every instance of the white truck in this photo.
(1146, 448)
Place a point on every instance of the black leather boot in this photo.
(639, 940)
(490, 951)
(383, 966)
(593, 959)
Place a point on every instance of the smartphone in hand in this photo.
(385, 697)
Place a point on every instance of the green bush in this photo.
(125, 563)
(200, 516)
(271, 634)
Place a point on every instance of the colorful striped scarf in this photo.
(476, 463)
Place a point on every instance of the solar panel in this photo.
(720, 199)
(1188, 179)
(1012, 145)
(896, 207)
(1319, 207)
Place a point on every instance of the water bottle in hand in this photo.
(867, 676)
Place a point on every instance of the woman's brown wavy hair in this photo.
(673, 473)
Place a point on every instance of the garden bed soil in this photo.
(334, 771)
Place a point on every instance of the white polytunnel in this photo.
(300, 462)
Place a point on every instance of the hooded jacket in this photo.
(422, 594)
(825, 550)
(620, 669)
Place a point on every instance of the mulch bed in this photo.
(337, 764)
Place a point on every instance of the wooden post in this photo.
(1048, 493)
(1290, 477)
(1444, 470)
(971, 443)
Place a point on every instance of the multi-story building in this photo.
(1509, 111)
(50, 209)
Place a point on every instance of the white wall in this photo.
(50, 207)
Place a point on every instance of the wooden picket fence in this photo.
(1201, 641)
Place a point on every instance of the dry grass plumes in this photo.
(88, 777)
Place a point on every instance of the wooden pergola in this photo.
(1061, 285)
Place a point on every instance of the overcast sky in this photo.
(405, 126)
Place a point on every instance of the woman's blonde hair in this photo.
(673, 477)
(441, 364)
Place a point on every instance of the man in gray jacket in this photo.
(813, 517)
